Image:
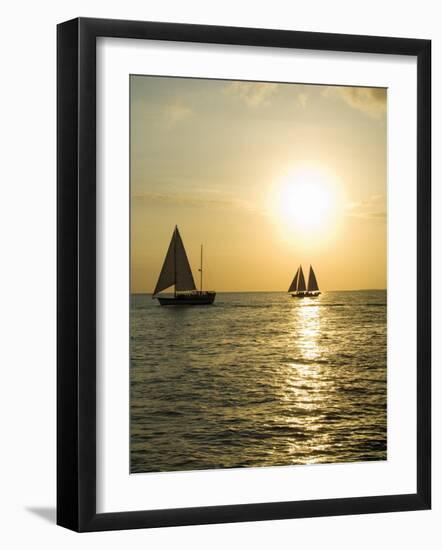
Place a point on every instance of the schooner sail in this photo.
(176, 272)
(298, 288)
(301, 282)
(312, 285)
(294, 286)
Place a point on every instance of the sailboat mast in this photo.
(201, 269)
(174, 260)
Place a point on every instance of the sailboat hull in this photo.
(306, 294)
(191, 299)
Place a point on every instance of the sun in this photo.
(305, 200)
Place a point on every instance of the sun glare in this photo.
(305, 200)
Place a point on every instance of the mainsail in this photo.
(176, 269)
(293, 286)
(301, 283)
(312, 282)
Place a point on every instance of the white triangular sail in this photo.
(312, 282)
(294, 284)
(301, 282)
(176, 269)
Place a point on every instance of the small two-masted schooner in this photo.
(176, 271)
(298, 288)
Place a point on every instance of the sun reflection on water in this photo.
(307, 381)
(307, 332)
(304, 371)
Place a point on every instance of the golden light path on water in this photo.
(305, 382)
(260, 379)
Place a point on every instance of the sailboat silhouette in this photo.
(298, 288)
(176, 271)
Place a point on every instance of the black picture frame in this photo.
(77, 287)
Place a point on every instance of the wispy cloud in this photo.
(373, 208)
(370, 101)
(195, 200)
(176, 112)
(253, 94)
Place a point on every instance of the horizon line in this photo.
(279, 291)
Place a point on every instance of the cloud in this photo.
(373, 208)
(370, 101)
(176, 112)
(253, 94)
(195, 200)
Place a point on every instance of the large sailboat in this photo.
(176, 271)
(298, 288)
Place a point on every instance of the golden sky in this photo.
(267, 176)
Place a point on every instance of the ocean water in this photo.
(258, 379)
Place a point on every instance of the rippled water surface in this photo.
(258, 379)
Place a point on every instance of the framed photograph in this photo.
(243, 274)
